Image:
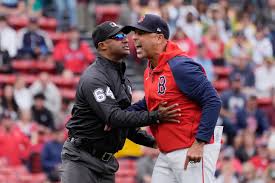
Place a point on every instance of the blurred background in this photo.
(46, 44)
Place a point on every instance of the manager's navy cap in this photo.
(152, 23)
(106, 30)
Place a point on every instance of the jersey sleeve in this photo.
(193, 82)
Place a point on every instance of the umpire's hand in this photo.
(168, 114)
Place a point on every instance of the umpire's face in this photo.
(116, 45)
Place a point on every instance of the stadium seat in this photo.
(57, 36)
(47, 23)
(221, 84)
(222, 71)
(127, 171)
(68, 93)
(30, 66)
(18, 22)
(107, 12)
(7, 79)
(23, 65)
(45, 66)
(63, 82)
(264, 101)
(125, 180)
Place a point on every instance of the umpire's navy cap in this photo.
(153, 24)
(106, 30)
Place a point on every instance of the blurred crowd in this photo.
(234, 40)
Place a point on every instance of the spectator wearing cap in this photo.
(263, 74)
(40, 113)
(246, 71)
(73, 54)
(252, 118)
(33, 42)
(232, 100)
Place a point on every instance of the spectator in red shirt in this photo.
(214, 45)
(73, 54)
(15, 146)
(261, 159)
(185, 43)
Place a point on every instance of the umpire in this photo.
(101, 118)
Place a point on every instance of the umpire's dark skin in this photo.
(102, 99)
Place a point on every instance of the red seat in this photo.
(222, 71)
(57, 36)
(18, 22)
(63, 82)
(29, 66)
(23, 65)
(47, 23)
(264, 101)
(45, 66)
(29, 78)
(221, 84)
(68, 93)
(7, 79)
(107, 12)
(125, 180)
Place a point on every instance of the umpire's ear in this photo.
(102, 46)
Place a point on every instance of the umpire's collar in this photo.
(121, 66)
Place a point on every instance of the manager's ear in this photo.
(160, 38)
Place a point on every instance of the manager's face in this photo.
(145, 43)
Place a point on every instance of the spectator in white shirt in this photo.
(264, 77)
(189, 23)
(51, 92)
(7, 37)
(262, 46)
(20, 89)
